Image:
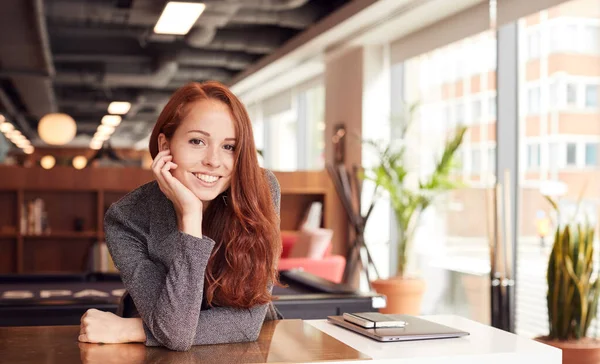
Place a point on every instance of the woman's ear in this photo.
(163, 142)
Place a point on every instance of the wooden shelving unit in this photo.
(86, 194)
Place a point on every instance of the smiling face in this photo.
(203, 148)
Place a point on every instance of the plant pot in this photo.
(584, 351)
(404, 295)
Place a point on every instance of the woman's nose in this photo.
(211, 158)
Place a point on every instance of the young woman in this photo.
(197, 249)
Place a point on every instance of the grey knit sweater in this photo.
(163, 270)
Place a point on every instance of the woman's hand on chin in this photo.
(187, 205)
(106, 327)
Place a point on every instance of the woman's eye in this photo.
(230, 147)
(196, 142)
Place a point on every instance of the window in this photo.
(591, 96)
(553, 160)
(571, 154)
(476, 161)
(571, 94)
(533, 156)
(554, 99)
(491, 160)
(533, 100)
(562, 37)
(533, 45)
(475, 111)
(567, 155)
(460, 113)
(459, 235)
(448, 117)
(492, 107)
(591, 154)
(591, 39)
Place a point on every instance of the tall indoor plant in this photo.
(573, 291)
(408, 201)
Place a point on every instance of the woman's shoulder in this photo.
(272, 180)
(138, 198)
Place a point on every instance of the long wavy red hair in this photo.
(246, 228)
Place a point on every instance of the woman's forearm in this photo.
(133, 330)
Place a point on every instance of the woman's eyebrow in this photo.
(207, 134)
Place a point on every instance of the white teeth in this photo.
(206, 178)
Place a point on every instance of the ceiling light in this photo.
(23, 143)
(96, 144)
(28, 150)
(48, 162)
(178, 17)
(5, 127)
(12, 134)
(111, 120)
(101, 136)
(119, 107)
(18, 138)
(57, 128)
(105, 129)
(79, 162)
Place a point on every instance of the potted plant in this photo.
(404, 292)
(573, 290)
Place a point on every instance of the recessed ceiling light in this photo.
(119, 107)
(105, 129)
(100, 137)
(47, 162)
(6, 127)
(178, 18)
(111, 120)
(96, 144)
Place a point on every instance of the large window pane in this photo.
(451, 243)
(559, 139)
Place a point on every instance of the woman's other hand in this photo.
(187, 205)
(106, 327)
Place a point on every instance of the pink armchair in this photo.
(330, 267)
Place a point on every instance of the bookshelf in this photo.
(76, 202)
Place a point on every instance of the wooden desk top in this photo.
(284, 341)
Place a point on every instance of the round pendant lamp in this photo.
(57, 128)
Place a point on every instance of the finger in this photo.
(165, 171)
(162, 183)
(160, 156)
(83, 338)
(160, 162)
(82, 330)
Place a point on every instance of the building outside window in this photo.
(591, 96)
(454, 229)
(591, 154)
(559, 133)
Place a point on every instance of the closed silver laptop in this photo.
(415, 329)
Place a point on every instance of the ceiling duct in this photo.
(256, 41)
(297, 19)
(273, 5)
(232, 61)
(158, 79)
(188, 75)
(25, 54)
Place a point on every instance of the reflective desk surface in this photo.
(284, 341)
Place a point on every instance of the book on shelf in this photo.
(34, 218)
(312, 216)
(101, 260)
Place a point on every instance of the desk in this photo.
(59, 299)
(284, 341)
